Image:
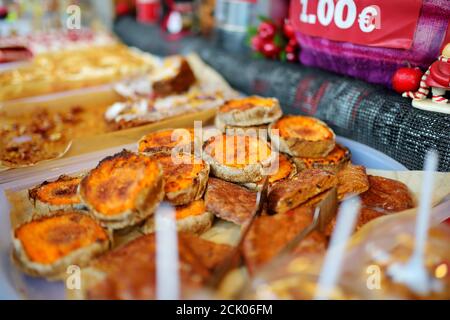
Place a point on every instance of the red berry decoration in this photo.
(267, 30)
(288, 30)
(406, 79)
(257, 43)
(270, 50)
(122, 8)
(274, 42)
(291, 56)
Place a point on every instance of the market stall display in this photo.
(290, 208)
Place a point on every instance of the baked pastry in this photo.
(286, 169)
(248, 111)
(48, 245)
(240, 159)
(192, 218)
(174, 77)
(229, 201)
(237, 130)
(352, 180)
(387, 195)
(185, 177)
(269, 234)
(384, 196)
(129, 272)
(182, 140)
(73, 69)
(301, 136)
(58, 195)
(336, 160)
(123, 189)
(289, 194)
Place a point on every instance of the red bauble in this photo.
(406, 79)
(288, 30)
(257, 43)
(270, 50)
(266, 30)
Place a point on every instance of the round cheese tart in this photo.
(236, 158)
(48, 245)
(185, 177)
(249, 111)
(123, 189)
(285, 169)
(182, 140)
(61, 194)
(301, 136)
(334, 161)
(191, 217)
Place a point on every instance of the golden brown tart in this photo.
(336, 160)
(269, 234)
(301, 136)
(285, 169)
(182, 140)
(248, 111)
(192, 218)
(236, 158)
(58, 195)
(123, 189)
(289, 194)
(48, 245)
(185, 177)
(129, 272)
(229, 201)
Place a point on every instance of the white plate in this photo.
(15, 285)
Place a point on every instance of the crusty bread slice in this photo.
(48, 245)
(58, 195)
(336, 160)
(191, 218)
(289, 194)
(123, 189)
(301, 136)
(249, 111)
(129, 271)
(229, 201)
(240, 159)
(185, 177)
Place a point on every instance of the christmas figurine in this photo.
(436, 78)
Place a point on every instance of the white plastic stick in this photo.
(332, 265)
(414, 274)
(167, 263)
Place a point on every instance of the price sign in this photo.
(378, 23)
